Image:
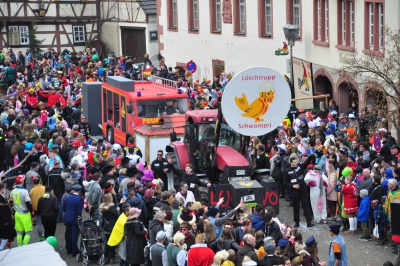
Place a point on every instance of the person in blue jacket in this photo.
(73, 210)
(363, 215)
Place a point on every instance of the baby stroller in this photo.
(90, 246)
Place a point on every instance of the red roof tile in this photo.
(176, 122)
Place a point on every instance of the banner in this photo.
(303, 83)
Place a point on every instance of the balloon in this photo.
(52, 241)
(95, 57)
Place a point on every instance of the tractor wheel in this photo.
(204, 197)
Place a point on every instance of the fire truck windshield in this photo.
(158, 107)
(228, 137)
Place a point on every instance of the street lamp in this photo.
(292, 32)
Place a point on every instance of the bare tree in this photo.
(379, 75)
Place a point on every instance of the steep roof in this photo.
(149, 6)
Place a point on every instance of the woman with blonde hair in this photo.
(110, 215)
(176, 252)
(220, 257)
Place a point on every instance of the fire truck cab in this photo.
(127, 104)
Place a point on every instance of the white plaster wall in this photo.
(332, 57)
(237, 52)
(152, 46)
(110, 35)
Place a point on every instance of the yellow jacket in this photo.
(118, 231)
(36, 192)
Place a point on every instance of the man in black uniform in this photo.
(84, 127)
(160, 167)
(188, 177)
(293, 179)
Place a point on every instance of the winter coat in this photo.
(154, 227)
(7, 230)
(110, 215)
(95, 194)
(228, 244)
(56, 181)
(363, 210)
(331, 194)
(388, 176)
(257, 221)
(273, 230)
(349, 192)
(214, 245)
(169, 230)
(47, 206)
(135, 241)
(245, 250)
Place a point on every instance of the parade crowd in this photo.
(53, 172)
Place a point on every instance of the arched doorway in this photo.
(322, 86)
(347, 94)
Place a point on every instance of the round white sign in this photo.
(256, 101)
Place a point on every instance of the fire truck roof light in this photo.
(139, 94)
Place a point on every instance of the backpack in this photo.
(217, 229)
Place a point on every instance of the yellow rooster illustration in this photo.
(259, 106)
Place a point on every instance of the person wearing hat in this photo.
(318, 182)
(73, 211)
(269, 258)
(84, 127)
(36, 192)
(342, 125)
(94, 196)
(312, 257)
(56, 181)
(337, 248)
(47, 208)
(158, 253)
(23, 208)
(272, 228)
(135, 234)
(107, 174)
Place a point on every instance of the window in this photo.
(193, 15)
(321, 21)
(346, 25)
(374, 40)
(296, 12)
(293, 13)
(265, 18)
(172, 14)
(79, 33)
(216, 16)
(18, 35)
(240, 17)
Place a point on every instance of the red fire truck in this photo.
(127, 104)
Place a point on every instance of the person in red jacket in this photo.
(62, 98)
(51, 96)
(32, 99)
(349, 191)
(199, 254)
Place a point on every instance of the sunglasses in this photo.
(183, 229)
(159, 154)
(185, 187)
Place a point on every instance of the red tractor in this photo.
(215, 151)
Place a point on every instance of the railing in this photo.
(164, 83)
